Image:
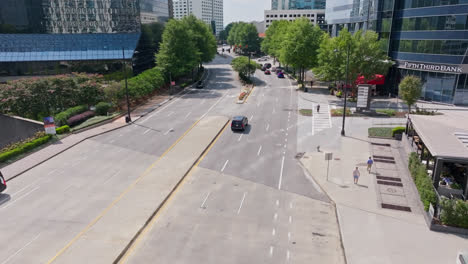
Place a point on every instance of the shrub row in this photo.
(78, 119)
(63, 129)
(102, 108)
(23, 148)
(398, 130)
(454, 213)
(145, 83)
(62, 117)
(422, 181)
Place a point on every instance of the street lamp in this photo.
(128, 118)
(345, 89)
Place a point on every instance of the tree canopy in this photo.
(242, 66)
(275, 35)
(410, 90)
(244, 35)
(205, 41)
(148, 45)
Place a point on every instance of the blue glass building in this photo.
(297, 4)
(427, 38)
(43, 33)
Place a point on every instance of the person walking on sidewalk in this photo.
(318, 108)
(356, 175)
(369, 164)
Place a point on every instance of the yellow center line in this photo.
(142, 234)
(82, 232)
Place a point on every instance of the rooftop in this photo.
(444, 135)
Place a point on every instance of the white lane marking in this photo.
(289, 235)
(277, 202)
(204, 201)
(281, 174)
(251, 118)
(19, 198)
(271, 251)
(290, 219)
(219, 100)
(258, 104)
(240, 137)
(276, 100)
(287, 255)
(112, 141)
(224, 166)
(21, 249)
(285, 140)
(242, 202)
(287, 134)
(29, 185)
(275, 216)
(148, 130)
(259, 149)
(274, 110)
(112, 176)
(268, 127)
(170, 113)
(290, 205)
(167, 132)
(187, 115)
(120, 135)
(284, 145)
(289, 115)
(287, 128)
(273, 232)
(203, 101)
(51, 172)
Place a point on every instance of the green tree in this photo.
(178, 52)
(223, 35)
(246, 36)
(410, 90)
(275, 35)
(242, 66)
(300, 45)
(204, 40)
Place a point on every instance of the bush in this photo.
(145, 83)
(102, 108)
(385, 132)
(454, 213)
(389, 112)
(398, 130)
(242, 95)
(339, 112)
(62, 130)
(78, 119)
(23, 148)
(62, 117)
(422, 181)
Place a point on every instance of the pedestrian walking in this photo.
(356, 175)
(318, 108)
(369, 164)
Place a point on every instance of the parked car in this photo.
(278, 69)
(268, 65)
(200, 84)
(2, 183)
(239, 123)
(280, 75)
(267, 72)
(264, 68)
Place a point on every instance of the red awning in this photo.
(378, 80)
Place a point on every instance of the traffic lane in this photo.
(60, 204)
(247, 222)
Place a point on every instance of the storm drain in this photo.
(390, 183)
(396, 207)
(384, 157)
(381, 144)
(385, 178)
(384, 161)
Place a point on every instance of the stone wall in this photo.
(13, 129)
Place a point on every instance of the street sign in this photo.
(49, 125)
(328, 156)
(172, 83)
(363, 96)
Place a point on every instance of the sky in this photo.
(244, 10)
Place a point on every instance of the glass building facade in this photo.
(66, 30)
(297, 4)
(154, 11)
(426, 38)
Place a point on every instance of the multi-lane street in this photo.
(247, 201)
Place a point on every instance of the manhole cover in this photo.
(391, 190)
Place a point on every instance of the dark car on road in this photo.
(200, 84)
(239, 123)
(2, 183)
(264, 68)
(280, 75)
(267, 72)
(267, 65)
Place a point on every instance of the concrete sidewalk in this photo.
(370, 233)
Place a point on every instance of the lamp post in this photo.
(345, 88)
(128, 118)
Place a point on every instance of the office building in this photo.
(428, 39)
(210, 11)
(316, 17)
(297, 4)
(154, 11)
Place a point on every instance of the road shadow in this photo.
(246, 131)
(363, 186)
(4, 197)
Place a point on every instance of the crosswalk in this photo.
(321, 120)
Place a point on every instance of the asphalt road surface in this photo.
(46, 207)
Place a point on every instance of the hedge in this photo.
(102, 108)
(145, 83)
(24, 148)
(454, 213)
(422, 181)
(63, 129)
(398, 130)
(62, 117)
(78, 119)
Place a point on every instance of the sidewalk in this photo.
(370, 233)
(32, 160)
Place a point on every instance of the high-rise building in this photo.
(297, 4)
(316, 17)
(210, 11)
(154, 11)
(427, 39)
(39, 36)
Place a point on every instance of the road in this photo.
(46, 208)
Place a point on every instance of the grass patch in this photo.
(339, 112)
(389, 112)
(384, 132)
(93, 121)
(305, 112)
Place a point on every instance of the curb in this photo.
(336, 211)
